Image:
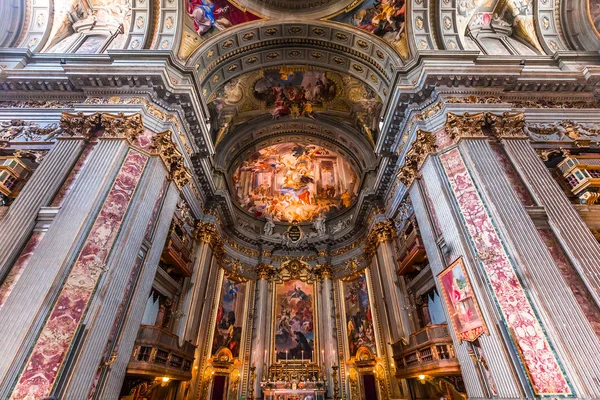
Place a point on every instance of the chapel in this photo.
(299, 199)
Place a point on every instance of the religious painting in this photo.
(461, 303)
(293, 181)
(593, 7)
(294, 92)
(359, 318)
(212, 16)
(383, 18)
(294, 320)
(229, 321)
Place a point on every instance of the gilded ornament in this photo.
(227, 43)
(507, 126)
(294, 30)
(172, 158)
(169, 22)
(265, 271)
(271, 31)
(341, 36)
(318, 31)
(423, 144)
(381, 232)
(248, 36)
(466, 125)
(317, 55)
(323, 271)
(419, 23)
(79, 125)
(380, 54)
(362, 44)
(121, 126)
(447, 23)
(273, 55)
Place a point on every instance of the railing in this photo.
(157, 353)
(428, 352)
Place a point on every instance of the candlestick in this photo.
(303, 355)
(286, 356)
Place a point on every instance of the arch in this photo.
(252, 46)
(14, 18)
(581, 23)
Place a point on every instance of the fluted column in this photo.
(260, 336)
(327, 325)
(84, 263)
(204, 234)
(20, 219)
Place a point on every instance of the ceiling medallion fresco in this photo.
(385, 18)
(293, 181)
(292, 92)
(594, 15)
(206, 18)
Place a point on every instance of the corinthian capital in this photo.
(79, 124)
(172, 158)
(264, 271)
(205, 232)
(423, 144)
(507, 125)
(466, 125)
(122, 126)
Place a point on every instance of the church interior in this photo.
(299, 200)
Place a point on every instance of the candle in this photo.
(302, 354)
(265, 356)
(286, 355)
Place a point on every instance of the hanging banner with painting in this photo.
(462, 305)
(229, 322)
(294, 321)
(359, 318)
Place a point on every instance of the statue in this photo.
(319, 225)
(269, 225)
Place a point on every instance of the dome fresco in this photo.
(294, 181)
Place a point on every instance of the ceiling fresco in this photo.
(293, 181)
(594, 15)
(385, 18)
(293, 92)
(206, 18)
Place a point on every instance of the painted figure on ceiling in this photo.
(220, 14)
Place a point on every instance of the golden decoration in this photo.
(323, 271)
(423, 144)
(381, 232)
(248, 36)
(79, 124)
(205, 232)
(507, 126)
(466, 125)
(265, 271)
(172, 158)
(117, 126)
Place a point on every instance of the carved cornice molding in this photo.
(172, 158)
(423, 144)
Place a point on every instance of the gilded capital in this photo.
(423, 144)
(507, 125)
(172, 158)
(323, 271)
(264, 271)
(205, 232)
(122, 126)
(79, 124)
(466, 125)
(381, 232)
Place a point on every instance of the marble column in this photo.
(17, 224)
(204, 234)
(327, 326)
(261, 331)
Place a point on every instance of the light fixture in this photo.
(422, 378)
(380, 125)
(165, 379)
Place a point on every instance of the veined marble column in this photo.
(86, 259)
(17, 224)
(261, 331)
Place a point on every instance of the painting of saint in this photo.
(230, 311)
(292, 181)
(359, 319)
(290, 92)
(212, 16)
(294, 321)
(384, 18)
(461, 303)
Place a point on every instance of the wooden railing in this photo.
(411, 251)
(178, 253)
(428, 352)
(157, 353)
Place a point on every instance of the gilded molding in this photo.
(172, 158)
(205, 232)
(507, 125)
(423, 144)
(465, 125)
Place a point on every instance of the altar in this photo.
(294, 381)
(291, 394)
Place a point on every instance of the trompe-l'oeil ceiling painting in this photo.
(291, 92)
(385, 18)
(294, 181)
